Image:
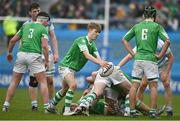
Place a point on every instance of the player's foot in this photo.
(82, 109)
(161, 110)
(68, 113)
(78, 111)
(169, 113)
(5, 108)
(51, 109)
(134, 114)
(34, 108)
(153, 115)
(85, 111)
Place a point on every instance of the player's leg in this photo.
(112, 102)
(16, 78)
(99, 86)
(50, 77)
(165, 77)
(142, 88)
(36, 67)
(61, 93)
(132, 98)
(33, 84)
(137, 74)
(153, 96)
(18, 70)
(41, 77)
(89, 99)
(71, 82)
(57, 98)
(152, 74)
(50, 84)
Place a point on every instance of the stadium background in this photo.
(123, 15)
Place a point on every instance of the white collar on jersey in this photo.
(148, 19)
(88, 40)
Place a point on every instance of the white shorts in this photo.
(111, 94)
(31, 61)
(147, 68)
(63, 71)
(51, 69)
(115, 78)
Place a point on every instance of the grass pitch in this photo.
(20, 109)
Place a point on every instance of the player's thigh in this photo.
(68, 75)
(99, 88)
(20, 66)
(125, 86)
(41, 77)
(104, 80)
(144, 82)
(164, 75)
(137, 71)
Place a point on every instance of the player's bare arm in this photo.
(164, 49)
(125, 60)
(55, 45)
(46, 50)
(13, 42)
(169, 65)
(128, 47)
(11, 46)
(101, 62)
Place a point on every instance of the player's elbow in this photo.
(123, 41)
(171, 57)
(167, 42)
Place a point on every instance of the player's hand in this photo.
(56, 58)
(104, 64)
(9, 57)
(158, 56)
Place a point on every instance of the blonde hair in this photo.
(93, 25)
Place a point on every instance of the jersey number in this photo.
(144, 34)
(30, 33)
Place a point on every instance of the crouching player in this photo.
(116, 86)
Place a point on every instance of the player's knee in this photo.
(143, 85)
(33, 82)
(50, 83)
(73, 86)
(166, 85)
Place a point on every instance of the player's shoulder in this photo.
(27, 22)
(81, 39)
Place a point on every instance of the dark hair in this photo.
(94, 25)
(44, 14)
(34, 6)
(150, 12)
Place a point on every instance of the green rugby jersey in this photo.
(31, 34)
(75, 58)
(146, 34)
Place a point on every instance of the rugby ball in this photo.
(104, 72)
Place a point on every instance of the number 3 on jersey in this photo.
(30, 33)
(144, 34)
